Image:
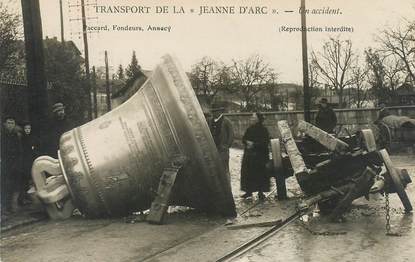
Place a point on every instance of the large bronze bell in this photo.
(112, 165)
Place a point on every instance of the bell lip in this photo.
(223, 202)
(65, 175)
(91, 209)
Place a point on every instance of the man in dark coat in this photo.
(254, 176)
(11, 153)
(222, 132)
(58, 126)
(326, 118)
(383, 111)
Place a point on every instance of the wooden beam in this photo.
(161, 202)
(276, 154)
(328, 141)
(278, 169)
(369, 140)
(297, 161)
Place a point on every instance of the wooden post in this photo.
(306, 87)
(86, 51)
(278, 169)
(61, 15)
(94, 88)
(107, 82)
(38, 106)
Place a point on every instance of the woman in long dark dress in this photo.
(254, 177)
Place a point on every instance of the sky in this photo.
(221, 36)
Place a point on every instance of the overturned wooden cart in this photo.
(333, 172)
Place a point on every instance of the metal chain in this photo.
(388, 217)
(321, 233)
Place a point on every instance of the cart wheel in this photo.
(385, 136)
(396, 180)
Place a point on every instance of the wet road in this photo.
(192, 236)
(364, 238)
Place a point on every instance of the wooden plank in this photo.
(278, 169)
(259, 224)
(297, 161)
(276, 154)
(161, 202)
(327, 140)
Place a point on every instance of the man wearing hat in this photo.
(383, 111)
(326, 118)
(222, 132)
(58, 126)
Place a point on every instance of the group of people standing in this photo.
(19, 148)
(254, 177)
(254, 174)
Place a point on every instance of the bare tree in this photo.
(376, 68)
(360, 76)
(377, 75)
(251, 75)
(400, 42)
(334, 64)
(386, 73)
(394, 72)
(271, 87)
(314, 84)
(208, 77)
(313, 75)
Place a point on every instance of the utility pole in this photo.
(85, 36)
(306, 87)
(38, 106)
(94, 88)
(107, 80)
(62, 31)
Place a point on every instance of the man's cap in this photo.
(57, 107)
(323, 100)
(7, 117)
(260, 116)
